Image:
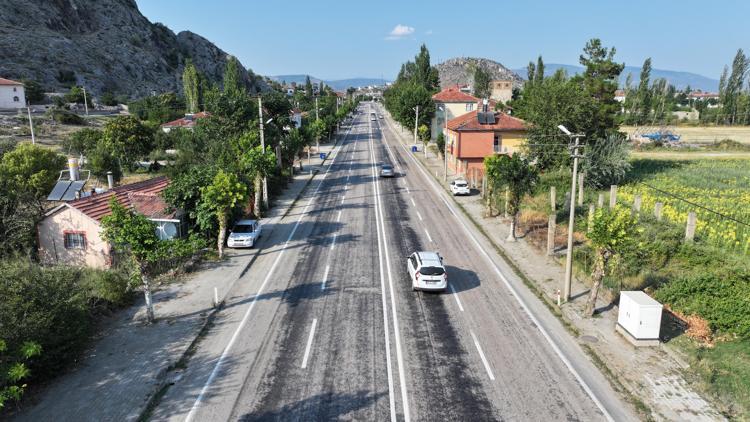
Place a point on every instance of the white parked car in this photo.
(427, 272)
(460, 187)
(244, 234)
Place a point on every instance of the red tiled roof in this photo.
(453, 94)
(187, 121)
(143, 197)
(4, 81)
(469, 122)
(697, 94)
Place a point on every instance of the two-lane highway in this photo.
(325, 325)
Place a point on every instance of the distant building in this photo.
(71, 233)
(620, 95)
(296, 115)
(703, 96)
(187, 122)
(478, 134)
(501, 90)
(457, 104)
(12, 94)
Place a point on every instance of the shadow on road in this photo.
(462, 279)
(321, 407)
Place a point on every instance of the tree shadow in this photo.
(644, 169)
(320, 407)
(462, 280)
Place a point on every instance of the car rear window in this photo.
(243, 228)
(432, 271)
(461, 184)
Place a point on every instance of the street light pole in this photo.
(263, 146)
(31, 123)
(571, 220)
(416, 121)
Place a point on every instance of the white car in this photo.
(427, 272)
(244, 234)
(460, 187)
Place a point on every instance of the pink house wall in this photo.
(51, 232)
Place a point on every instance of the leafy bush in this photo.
(82, 141)
(46, 306)
(67, 118)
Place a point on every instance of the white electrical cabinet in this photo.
(639, 316)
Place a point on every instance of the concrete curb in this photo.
(162, 377)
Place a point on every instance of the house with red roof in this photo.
(453, 101)
(12, 94)
(71, 233)
(481, 133)
(188, 122)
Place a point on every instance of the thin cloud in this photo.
(399, 32)
(428, 32)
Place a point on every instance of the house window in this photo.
(470, 107)
(497, 143)
(16, 99)
(75, 240)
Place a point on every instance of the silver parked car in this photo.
(386, 170)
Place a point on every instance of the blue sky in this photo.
(342, 39)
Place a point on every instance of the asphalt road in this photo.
(325, 325)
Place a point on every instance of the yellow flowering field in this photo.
(721, 185)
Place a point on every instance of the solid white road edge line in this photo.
(420, 216)
(399, 356)
(510, 287)
(481, 355)
(338, 218)
(309, 343)
(246, 317)
(455, 295)
(412, 202)
(333, 242)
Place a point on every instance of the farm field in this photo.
(705, 134)
(720, 185)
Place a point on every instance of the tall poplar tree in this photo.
(191, 86)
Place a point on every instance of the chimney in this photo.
(73, 168)
(110, 180)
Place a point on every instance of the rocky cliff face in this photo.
(104, 45)
(460, 70)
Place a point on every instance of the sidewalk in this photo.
(651, 375)
(130, 360)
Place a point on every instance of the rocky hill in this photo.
(460, 70)
(104, 45)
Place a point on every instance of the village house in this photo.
(478, 134)
(71, 233)
(456, 102)
(188, 122)
(12, 94)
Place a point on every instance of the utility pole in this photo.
(317, 118)
(85, 100)
(263, 145)
(416, 121)
(31, 123)
(445, 144)
(571, 221)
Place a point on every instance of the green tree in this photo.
(424, 135)
(607, 162)
(33, 91)
(599, 81)
(135, 235)
(516, 175)
(257, 165)
(425, 74)
(308, 87)
(82, 142)
(101, 160)
(611, 233)
(127, 140)
(482, 81)
(108, 99)
(440, 143)
(191, 87)
(539, 71)
(234, 82)
(31, 168)
(642, 104)
(75, 95)
(218, 200)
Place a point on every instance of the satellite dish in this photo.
(170, 230)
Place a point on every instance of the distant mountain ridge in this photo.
(104, 45)
(337, 84)
(677, 78)
(460, 70)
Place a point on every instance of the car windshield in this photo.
(243, 228)
(432, 271)
(461, 184)
(387, 167)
